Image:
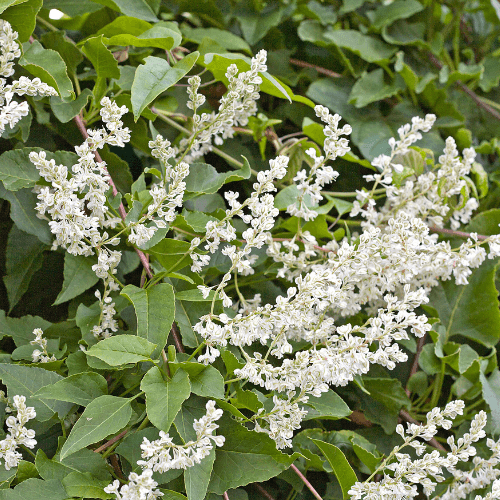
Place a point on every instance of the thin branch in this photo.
(263, 491)
(433, 442)
(116, 465)
(112, 441)
(121, 209)
(414, 366)
(458, 234)
(177, 338)
(319, 69)
(468, 91)
(306, 482)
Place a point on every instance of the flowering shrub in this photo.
(222, 326)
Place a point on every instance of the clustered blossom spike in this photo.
(77, 221)
(17, 433)
(167, 194)
(162, 455)
(37, 355)
(334, 146)
(139, 487)
(11, 111)
(236, 106)
(428, 470)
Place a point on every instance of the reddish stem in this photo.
(306, 482)
(319, 69)
(225, 495)
(493, 112)
(107, 444)
(116, 465)
(459, 234)
(263, 491)
(177, 338)
(414, 366)
(433, 442)
(121, 209)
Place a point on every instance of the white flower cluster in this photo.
(167, 195)
(484, 471)
(334, 146)
(11, 111)
(162, 455)
(426, 471)
(237, 104)
(261, 219)
(37, 355)
(77, 221)
(107, 324)
(17, 434)
(139, 487)
(425, 196)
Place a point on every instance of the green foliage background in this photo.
(375, 63)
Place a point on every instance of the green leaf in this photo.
(155, 311)
(122, 349)
(204, 178)
(172, 254)
(372, 87)
(27, 380)
(125, 25)
(49, 66)
(21, 329)
(197, 478)
(101, 58)
(491, 75)
(385, 400)
(104, 416)
(370, 49)
(256, 23)
(225, 39)
(338, 462)
(35, 488)
(328, 406)
(133, 8)
(21, 266)
(22, 18)
(367, 457)
(157, 36)
(5, 4)
(194, 295)
(57, 40)
(470, 310)
(78, 277)
(491, 394)
(82, 461)
(66, 111)
(246, 457)
(387, 14)
(80, 389)
(164, 398)
(156, 76)
(205, 381)
(17, 171)
(84, 485)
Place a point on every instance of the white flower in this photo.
(37, 355)
(162, 455)
(17, 434)
(11, 111)
(140, 487)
